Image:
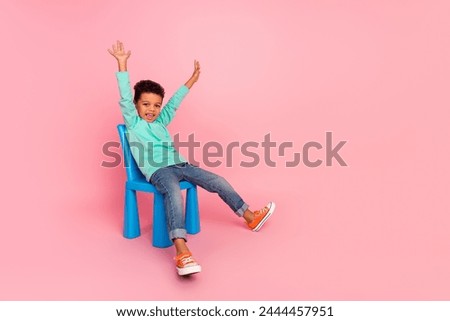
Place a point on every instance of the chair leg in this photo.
(160, 233)
(192, 212)
(131, 227)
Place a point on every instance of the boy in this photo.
(163, 166)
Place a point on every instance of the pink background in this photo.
(375, 73)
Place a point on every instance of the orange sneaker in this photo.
(261, 216)
(186, 264)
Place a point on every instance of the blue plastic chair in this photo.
(136, 182)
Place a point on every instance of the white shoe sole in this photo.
(271, 210)
(189, 270)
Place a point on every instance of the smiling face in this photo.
(149, 106)
(148, 97)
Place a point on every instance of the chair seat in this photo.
(140, 184)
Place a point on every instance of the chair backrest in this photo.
(132, 170)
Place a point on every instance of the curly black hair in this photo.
(147, 86)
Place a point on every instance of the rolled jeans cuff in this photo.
(240, 212)
(178, 233)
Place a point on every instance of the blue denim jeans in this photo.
(166, 180)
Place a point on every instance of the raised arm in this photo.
(168, 112)
(127, 107)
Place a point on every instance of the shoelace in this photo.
(186, 260)
(262, 211)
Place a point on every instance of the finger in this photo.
(114, 48)
(128, 53)
(109, 50)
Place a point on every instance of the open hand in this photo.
(118, 51)
(196, 72)
(195, 75)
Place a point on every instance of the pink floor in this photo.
(323, 243)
